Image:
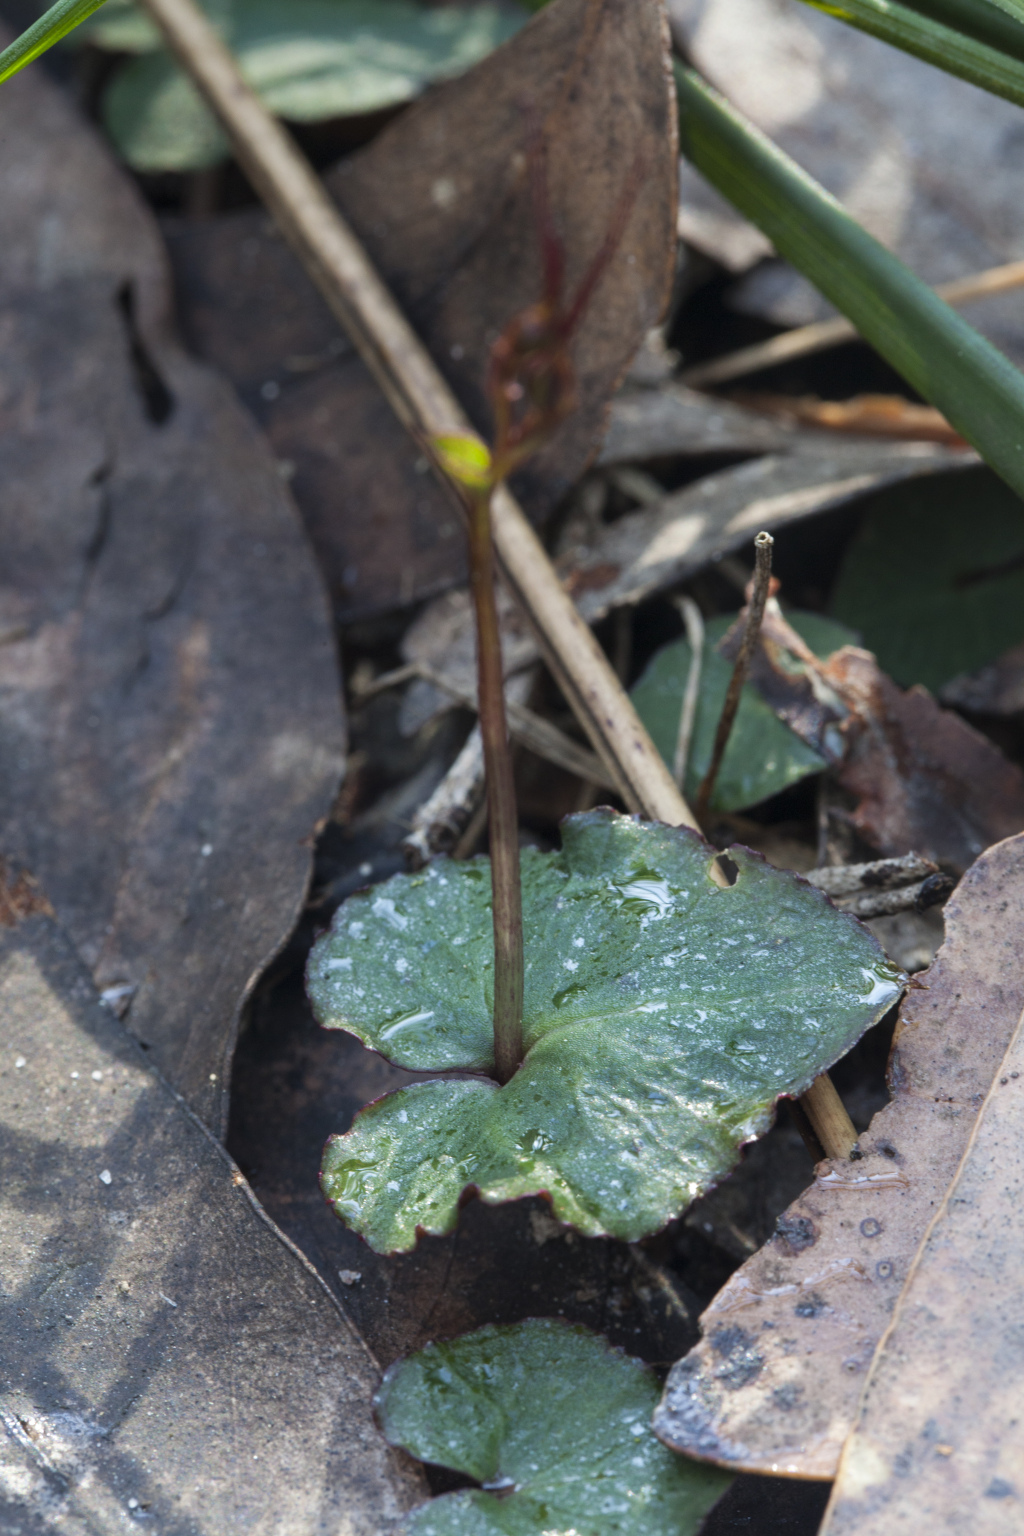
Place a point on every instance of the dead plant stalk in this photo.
(755, 613)
(341, 270)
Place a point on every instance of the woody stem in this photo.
(506, 895)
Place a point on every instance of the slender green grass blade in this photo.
(58, 21)
(999, 26)
(938, 43)
(938, 353)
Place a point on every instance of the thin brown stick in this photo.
(807, 339)
(755, 613)
(532, 731)
(419, 396)
(506, 898)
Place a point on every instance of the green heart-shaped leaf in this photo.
(308, 60)
(763, 755)
(557, 1421)
(934, 577)
(663, 1018)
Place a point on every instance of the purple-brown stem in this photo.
(506, 897)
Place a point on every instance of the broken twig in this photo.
(806, 339)
(755, 613)
(694, 621)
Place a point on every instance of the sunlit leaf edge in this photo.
(948, 49)
(37, 39)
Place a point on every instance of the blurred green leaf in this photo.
(763, 756)
(557, 1421)
(934, 578)
(663, 1018)
(1000, 25)
(926, 32)
(308, 60)
(937, 352)
(58, 21)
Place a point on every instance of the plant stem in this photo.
(755, 613)
(506, 895)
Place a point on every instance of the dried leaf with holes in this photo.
(774, 1385)
(172, 727)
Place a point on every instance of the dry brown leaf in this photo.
(939, 1439)
(442, 200)
(172, 727)
(774, 1384)
(169, 1359)
(997, 689)
(925, 780)
(870, 415)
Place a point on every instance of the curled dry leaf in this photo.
(443, 203)
(924, 780)
(774, 1384)
(663, 1018)
(869, 415)
(938, 1442)
(172, 729)
(157, 1331)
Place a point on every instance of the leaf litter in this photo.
(142, 1286)
(444, 210)
(603, 585)
(172, 728)
(775, 1382)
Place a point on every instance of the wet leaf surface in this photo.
(158, 1332)
(663, 1018)
(775, 1382)
(172, 728)
(763, 755)
(938, 1434)
(294, 1085)
(555, 1423)
(934, 579)
(442, 201)
(308, 60)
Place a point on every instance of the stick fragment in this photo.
(694, 621)
(755, 613)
